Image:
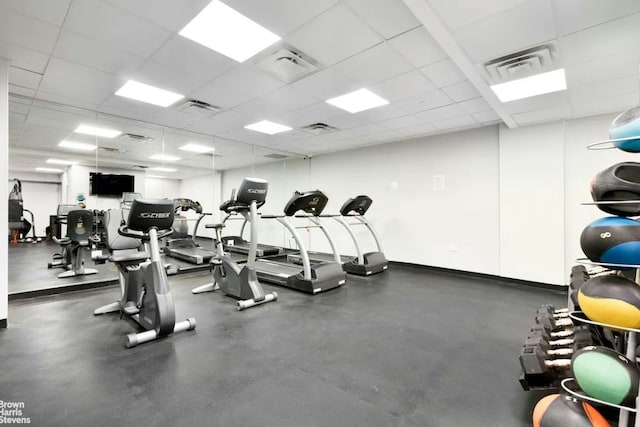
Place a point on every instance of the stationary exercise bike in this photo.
(146, 297)
(228, 276)
(78, 240)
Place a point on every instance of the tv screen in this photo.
(102, 184)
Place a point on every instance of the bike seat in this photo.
(127, 258)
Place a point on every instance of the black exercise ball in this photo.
(616, 183)
(612, 240)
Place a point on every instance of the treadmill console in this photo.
(187, 204)
(359, 205)
(311, 202)
(251, 190)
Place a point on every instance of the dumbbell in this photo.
(550, 333)
(534, 360)
(549, 321)
(549, 309)
(581, 338)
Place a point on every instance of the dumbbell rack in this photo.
(570, 386)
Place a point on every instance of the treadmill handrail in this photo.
(306, 263)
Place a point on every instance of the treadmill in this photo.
(306, 277)
(363, 264)
(181, 246)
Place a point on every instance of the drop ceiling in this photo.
(68, 58)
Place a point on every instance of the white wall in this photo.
(4, 167)
(161, 188)
(456, 227)
(532, 203)
(511, 204)
(41, 194)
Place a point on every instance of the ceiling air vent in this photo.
(318, 128)
(111, 150)
(288, 64)
(199, 108)
(275, 156)
(140, 167)
(521, 64)
(137, 138)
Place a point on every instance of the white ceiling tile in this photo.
(381, 113)
(443, 73)
(607, 39)
(418, 47)
(76, 81)
(24, 78)
(388, 17)
(19, 90)
(95, 20)
(402, 122)
(16, 117)
(174, 118)
(237, 87)
(130, 108)
(456, 122)
(288, 98)
(441, 113)
(171, 14)
(415, 131)
(27, 32)
(576, 15)
(194, 61)
(539, 102)
(592, 91)
(475, 105)
(613, 104)
(82, 50)
(423, 101)
(545, 115)
(526, 25)
(257, 110)
(325, 84)
(486, 116)
(24, 58)
(373, 65)
(280, 16)
(167, 78)
(52, 11)
(603, 68)
(462, 91)
(333, 36)
(346, 120)
(252, 137)
(219, 123)
(18, 107)
(315, 113)
(403, 86)
(456, 14)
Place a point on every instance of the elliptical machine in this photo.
(228, 276)
(146, 297)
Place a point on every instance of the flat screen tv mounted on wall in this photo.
(102, 184)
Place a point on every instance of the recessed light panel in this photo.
(553, 81)
(81, 146)
(360, 100)
(62, 162)
(197, 148)
(51, 170)
(163, 169)
(164, 158)
(228, 32)
(96, 131)
(268, 127)
(156, 176)
(149, 94)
